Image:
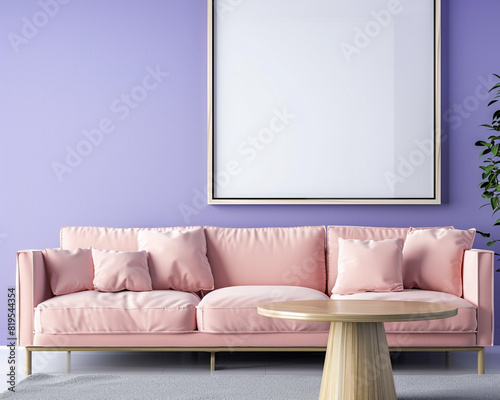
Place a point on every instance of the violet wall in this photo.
(136, 71)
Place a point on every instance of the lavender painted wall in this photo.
(74, 72)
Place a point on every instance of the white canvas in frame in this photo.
(324, 101)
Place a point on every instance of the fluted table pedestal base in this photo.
(357, 363)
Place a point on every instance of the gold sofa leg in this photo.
(28, 361)
(68, 361)
(480, 361)
(212, 361)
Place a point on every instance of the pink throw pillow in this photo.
(432, 259)
(369, 266)
(177, 259)
(121, 270)
(70, 271)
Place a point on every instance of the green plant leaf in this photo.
(489, 176)
(484, 152)
(495, 87)
(490, 171)
(492, 180)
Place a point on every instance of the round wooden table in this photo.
(357, 361)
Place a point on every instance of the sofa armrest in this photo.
(33, 287)
(478, 289)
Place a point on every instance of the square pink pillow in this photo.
(432, 259)
(177, 259)
(70, 271)
(121, 270)
(369, 266)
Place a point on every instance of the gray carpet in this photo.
(236, 387)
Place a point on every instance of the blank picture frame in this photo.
(324, 101)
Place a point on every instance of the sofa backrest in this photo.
(267, 256)
(120, 239)
(354, 232)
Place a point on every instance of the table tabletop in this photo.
(357, 310)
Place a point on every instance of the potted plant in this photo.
(490, 155)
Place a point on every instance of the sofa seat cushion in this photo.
(464, 321)
(156, 311)
(234, 309)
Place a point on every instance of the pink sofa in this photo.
(249, 266)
